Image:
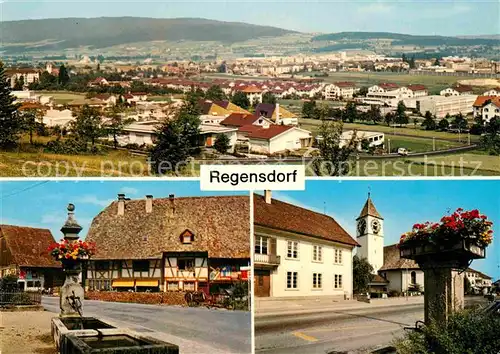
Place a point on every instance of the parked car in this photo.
(403, 152)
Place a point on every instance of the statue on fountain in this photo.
(71, 252)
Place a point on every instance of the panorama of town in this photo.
(393, 115)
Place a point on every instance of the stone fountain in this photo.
(74, 333)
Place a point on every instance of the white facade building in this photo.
(311, 258)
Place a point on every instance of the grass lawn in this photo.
(62, 97)
(433, 83)
(472, 159)
(417, 144)
(314, 124)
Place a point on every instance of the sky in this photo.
(443, 17)
(403, 203)
(43, 204)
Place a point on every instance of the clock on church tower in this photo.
(370, 235)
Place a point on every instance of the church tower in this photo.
(370, 235)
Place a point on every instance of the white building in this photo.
(487, 107)
(480, 283)
(337, 90)
(55, 117)
(273, 138)
(375, 139)
(310, 257)
(457, 91)
(492, 92)
(441, 105)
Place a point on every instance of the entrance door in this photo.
(262, 283)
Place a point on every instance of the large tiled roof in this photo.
(257, 132)
(239, 119)
(462, 88)
(220, 225)
(416, 87)
(393, 261)
(482, 100)
(28, 246)
(288, 217)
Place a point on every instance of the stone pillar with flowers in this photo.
(444, 251)
(71, 251)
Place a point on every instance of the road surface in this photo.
(195, 330)
(325, 329)
(358, 330)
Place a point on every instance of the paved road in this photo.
(356, 330)
(195, 330)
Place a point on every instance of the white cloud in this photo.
(94, 200)
(53, 218)
(129, 190)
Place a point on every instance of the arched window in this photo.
(413, 277)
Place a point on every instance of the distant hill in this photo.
(109, 31)
(407, 39)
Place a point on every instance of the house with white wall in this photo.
(457, 90)
(338, 90)
(274, 138)
(492, 92)
(486, 107)
(311, 257)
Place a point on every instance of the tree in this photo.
(222, 144)
(178, 139)
(374, 114)
(429, 123)
(443, 124)
(308, 109)
(10, 122)
(363, 91)
(351, 113)
(362, 274)
(240, 99)
(88, 125)
(19, 84)
(115, 124)
(215, 93)
(334, 151)
(401, 118)
(389, 118)
(490, 141)
(460, 122)
(29, 122)
(268, 97)
(436, 62)
(63, 77)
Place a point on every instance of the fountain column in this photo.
(72, 293)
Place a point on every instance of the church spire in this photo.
(369, 209)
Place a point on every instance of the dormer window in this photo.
(187, 237)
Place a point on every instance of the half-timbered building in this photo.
(170, 244)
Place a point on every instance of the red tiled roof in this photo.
(28, 246)
(272, 131)
(388, 85)
(287, 217)
(482, 100)
(417, 87)
(345, 84)
(462, 88)
(251, 89)
(239, 119)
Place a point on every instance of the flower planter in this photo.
(457, 255)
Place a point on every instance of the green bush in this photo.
(466, 332)
(21, 299)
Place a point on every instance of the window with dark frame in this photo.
(140, 266)
(185, 263)
(291, 280)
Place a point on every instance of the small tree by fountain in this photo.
(71, 252)
(444, 250)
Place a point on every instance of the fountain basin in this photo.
(62, 326)
(115, 341)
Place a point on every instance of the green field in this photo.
(433, 83)
(471, 160)
(62, 97)
(314, 124)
